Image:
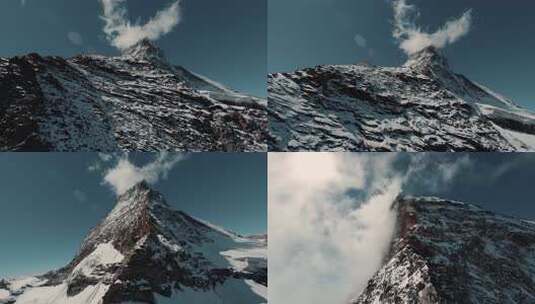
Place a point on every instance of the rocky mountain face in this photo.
(420, 106)
(452, 252)
(137, 101)
(146, 252)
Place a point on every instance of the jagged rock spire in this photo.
(145, 50)
(428, 58)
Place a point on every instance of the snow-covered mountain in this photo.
(420, 106)
(453, 252)
(137, 101)
(146, 252)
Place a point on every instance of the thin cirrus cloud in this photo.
(123, 174)
(412, 38)
(121, 33)
(360, 40)
(328, 239)
(75, 38)
(80, 195)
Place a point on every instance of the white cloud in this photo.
(23, 2)
(412, 38)
(326, 248)
(99, 164)
(435, 172)
(360, 40)
(105, 157)
(75, 38)
(80, 196)
(94, 167)
(126, 174)
(330, 217)
(123, 34)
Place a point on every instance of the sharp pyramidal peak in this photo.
(145, 50)
(146, 252)
(428, 58)
(453, 252)
(422, 105)
(138, 101)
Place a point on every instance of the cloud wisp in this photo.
(126, 174)
(331, 216)
(360, 41)
(412, 38)
(75, 38)
(80, 195)
(123, 34)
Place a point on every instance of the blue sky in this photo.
(497, 52)
(343, 204)
(224, 40)
(499, 182)
(50, 201)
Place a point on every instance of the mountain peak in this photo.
(141, 192)
(145, 50)
(440, 243)
(429, 57)
(146, 252)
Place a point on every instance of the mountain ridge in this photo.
(146, 252)
(453, 252)
(419, 106)
(135, 101)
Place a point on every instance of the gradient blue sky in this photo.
(50, 201)
(224, 40)
(499, 182)
(498, 51)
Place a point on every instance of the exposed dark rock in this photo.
(421, 106)
(450, 252)
(163, 252)
(136, 102)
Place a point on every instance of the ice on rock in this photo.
(420, 106)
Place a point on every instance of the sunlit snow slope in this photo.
(145, 252)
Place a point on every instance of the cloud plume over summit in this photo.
(412, 38)
(122, 33)
(126, 174)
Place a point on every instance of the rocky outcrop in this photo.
(420, 106)
(452, 252)
(144, 251)
(136, 102)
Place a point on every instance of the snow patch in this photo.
(58, 295)
(104, 254)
